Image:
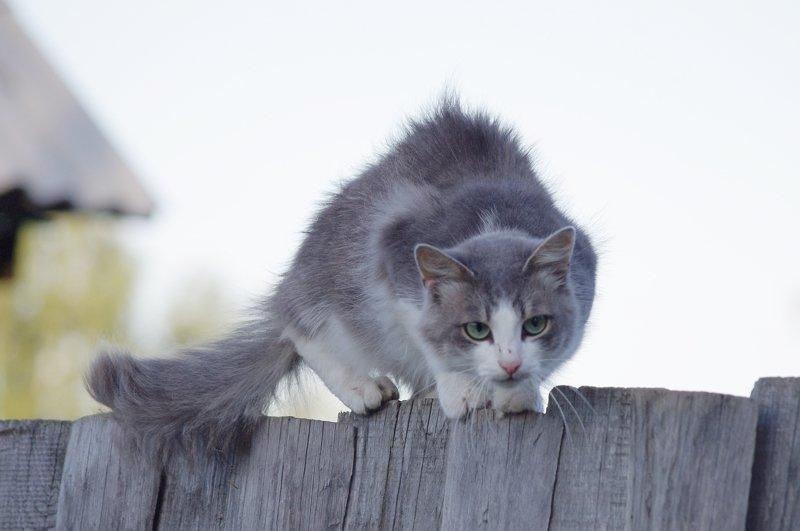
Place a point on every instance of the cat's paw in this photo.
(388, 389)
(366, 395)
(458, 395)
(517, 399)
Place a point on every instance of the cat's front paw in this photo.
(366, 395)
(459, 395)
(517, 399)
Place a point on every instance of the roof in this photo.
(50, 148)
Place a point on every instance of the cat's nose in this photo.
(510, 366)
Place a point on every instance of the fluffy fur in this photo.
(450, 226)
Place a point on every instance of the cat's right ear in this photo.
(435, 265)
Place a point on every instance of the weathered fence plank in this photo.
(31, 460)
(624, 459)
(419, 478)
(296, 476)
(775, 491)
(193, 494)
(399, 475)
(507, 489)
(104, 485)
(594, 481)
(654, 459)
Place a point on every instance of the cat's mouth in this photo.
(508, 381)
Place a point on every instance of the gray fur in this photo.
(458, 182)
(204, 400)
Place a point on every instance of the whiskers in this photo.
(479, 422)
(563, 417)
(555, 393)
(578, 392)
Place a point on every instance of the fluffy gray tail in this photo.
(206, 400)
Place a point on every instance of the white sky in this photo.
(671, 131)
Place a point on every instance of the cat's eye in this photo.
(477, 331)
(535, 325)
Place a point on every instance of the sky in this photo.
(668, 131)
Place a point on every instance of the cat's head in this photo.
(499, 306)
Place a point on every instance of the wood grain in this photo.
(501, 472)
(193, 494)
(296, 476)
(775, 493)
(654, 459)
(105, 485)
(400, 467)
(31, 461)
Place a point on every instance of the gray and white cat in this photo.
(445, 263)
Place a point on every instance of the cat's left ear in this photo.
(553, 255)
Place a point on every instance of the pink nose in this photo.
(510, 366)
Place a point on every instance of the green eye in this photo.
(477, 331)
(535, 325)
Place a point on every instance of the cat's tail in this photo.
(205, 400)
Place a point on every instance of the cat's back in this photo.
(437, 158)
(448, 159)
(448, 146)
(448, 165)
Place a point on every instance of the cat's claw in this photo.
(370, 395)
(388, 389)
(512, 400)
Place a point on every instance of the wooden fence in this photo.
(625, 459)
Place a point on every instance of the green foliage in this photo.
(71, 287)
(70, 292)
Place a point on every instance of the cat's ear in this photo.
(435, 265)
(553, 255)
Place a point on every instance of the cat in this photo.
(445, 265)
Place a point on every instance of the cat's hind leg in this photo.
(344, 369)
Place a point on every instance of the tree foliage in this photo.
(71, 291)
(71, 288)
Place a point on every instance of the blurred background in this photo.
(159, 162)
